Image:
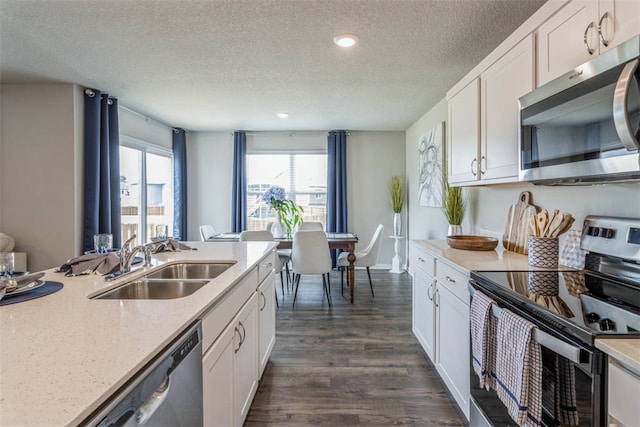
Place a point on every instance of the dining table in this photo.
(344, 241)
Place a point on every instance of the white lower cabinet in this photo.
(267, 324)
(622, 390)
(453, 346)
(230, 371)
(441, 320)
(238, 334)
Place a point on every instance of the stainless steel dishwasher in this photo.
(166, 393)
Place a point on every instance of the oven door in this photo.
(572, 381)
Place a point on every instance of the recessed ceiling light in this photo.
(282, 115)
(345, 40)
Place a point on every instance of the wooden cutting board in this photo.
(516, 229)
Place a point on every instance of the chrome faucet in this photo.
(127, 254)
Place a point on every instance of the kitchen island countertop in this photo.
(64, 354)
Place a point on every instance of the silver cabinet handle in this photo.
(436, 298)
(244, 332)
(485, 165)
(604, 41)
(429, 291)
(586, 42)
(421, 260)
(240, 335)
(628, 136)
(475, 173)
(449, 279)
(264, 300)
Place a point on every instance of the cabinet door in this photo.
(217, 379)
(453, 346)
(502, 84)
(464, 134)
(245, 365)
(622, 21)
(424, 312)
(267, 324)
(561, 39)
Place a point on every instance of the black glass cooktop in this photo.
(585, 304)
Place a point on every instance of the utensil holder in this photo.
(543, 251)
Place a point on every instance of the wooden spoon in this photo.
(541, 220)
(554, 225)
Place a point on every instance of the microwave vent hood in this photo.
(583, 127)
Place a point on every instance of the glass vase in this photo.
(397, 224)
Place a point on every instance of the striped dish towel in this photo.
(566, 408)
(483, 334)
(519, 369)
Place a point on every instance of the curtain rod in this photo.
(129, 109)
(288, 133)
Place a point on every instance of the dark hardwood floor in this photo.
(350, 364)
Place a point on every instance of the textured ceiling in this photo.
(232, 64)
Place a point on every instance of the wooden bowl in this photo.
(472, 243)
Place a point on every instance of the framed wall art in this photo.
(430, 150)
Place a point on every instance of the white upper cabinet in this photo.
(501, 85)
(463, 132)
(483, 119)
(582, 30)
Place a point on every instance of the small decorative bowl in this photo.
(472, 243)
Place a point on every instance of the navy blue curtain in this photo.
(337, 184)
(101, 168)
(239, 192)
(180, 184)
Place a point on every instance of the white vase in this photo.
(397, 224)
(277, 229)
(454, 230)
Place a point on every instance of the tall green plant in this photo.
(397, 194)
(454, 204)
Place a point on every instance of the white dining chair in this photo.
(310, 225)
(266, 236)
(206, 232)
(368, 257)
(310, 255)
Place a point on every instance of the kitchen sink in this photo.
(154, 289)
(191, 271)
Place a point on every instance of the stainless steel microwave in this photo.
(584, 126)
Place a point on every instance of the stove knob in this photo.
(607, 325)
(592, 317)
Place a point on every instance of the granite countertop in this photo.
(626, 350)
(64, 354)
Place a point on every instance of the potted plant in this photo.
(397, 201)
(454, 206)
(288, 213)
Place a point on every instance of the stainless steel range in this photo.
(571, 309)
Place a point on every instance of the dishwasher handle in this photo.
(144, 412)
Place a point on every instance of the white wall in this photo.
(373, 158)
(489, 204)
(139, 127)
(209, 168)
(424, 222)
(41, 171)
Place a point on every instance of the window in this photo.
(302, 175)
(146, 186)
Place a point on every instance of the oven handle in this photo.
(554, 344)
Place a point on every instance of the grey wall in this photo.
(41, 171)
(489, 204)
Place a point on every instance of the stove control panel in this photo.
(617, 237)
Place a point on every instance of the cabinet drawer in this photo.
(219, 316)
(623, 390)
(266, 266)
(423, 260)
(454, 280)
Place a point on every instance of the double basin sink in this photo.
(171, 281)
